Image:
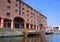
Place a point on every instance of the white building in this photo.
(59, 27)
(56, 28)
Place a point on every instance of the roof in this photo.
(33, 9)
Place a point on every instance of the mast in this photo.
(34, 15)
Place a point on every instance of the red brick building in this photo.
(17, 14)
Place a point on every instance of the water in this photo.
(22, 39)
(53, 38)
(47, 38)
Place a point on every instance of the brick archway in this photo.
(18, 22)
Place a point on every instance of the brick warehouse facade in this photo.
(17, 14)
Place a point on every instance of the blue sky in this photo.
(49, 8)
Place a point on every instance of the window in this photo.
(16, 11)
(8, 14)
(27, 10)
(8, 7)
(16, 5)
(23, 8)
(9, 1)
(22, 12)
(27, 14)
(27, 20)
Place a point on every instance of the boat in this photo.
(49, 32)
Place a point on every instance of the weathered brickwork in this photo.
(11, 10)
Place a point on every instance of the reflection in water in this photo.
(13, 39)
(47, 38)
(34, 39)
(53, 38)
(23, 39)
(31, 39)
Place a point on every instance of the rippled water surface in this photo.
(53, 38)
(23, 39)
(47, 38)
